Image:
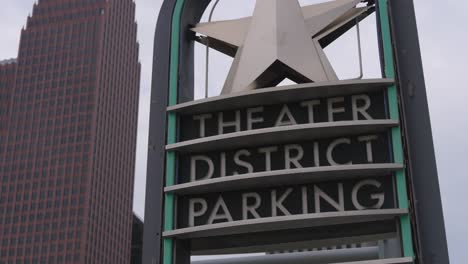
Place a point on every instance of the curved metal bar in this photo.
(361, 70)
(283, 134)
(282, 177)
(333, 256)
(284, 222)
(280, 95)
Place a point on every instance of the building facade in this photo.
(68, 137)
(7, 80)
(137, 240)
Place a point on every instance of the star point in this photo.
(281, 40)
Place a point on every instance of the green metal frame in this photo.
(405, 224)
(169, 206)
(392, 93)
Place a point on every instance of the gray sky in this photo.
(444, 38)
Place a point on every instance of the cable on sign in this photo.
(358, 33)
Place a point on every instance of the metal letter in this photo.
(202, 119)
(278, 203)
(310, 108)
(368, 140)
(332, 146)
(316, 154)
(331, 110)
(193, 213)
(214, 214)
(319, 193)
(246, 209)
(267, 151)
(238, 161)
(285, 112)
(294, 160)
(223, 164)
(305, 200)
(193, 167)
(361, 109)
(221, 124)
(250, 119)
(380, 197)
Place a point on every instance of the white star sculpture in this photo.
(280, 40)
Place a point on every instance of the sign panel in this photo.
(306, 156)
(365, 106)
(363, 149)
(338, 196)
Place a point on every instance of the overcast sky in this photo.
(443, 34)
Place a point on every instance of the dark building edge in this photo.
(137, 240)
(427, 203)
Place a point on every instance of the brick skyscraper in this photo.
(7, 80)
(68, 135)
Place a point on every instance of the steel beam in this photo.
(426, 198)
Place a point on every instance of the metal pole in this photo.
(424, 181)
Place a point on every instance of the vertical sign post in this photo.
(427, 213)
